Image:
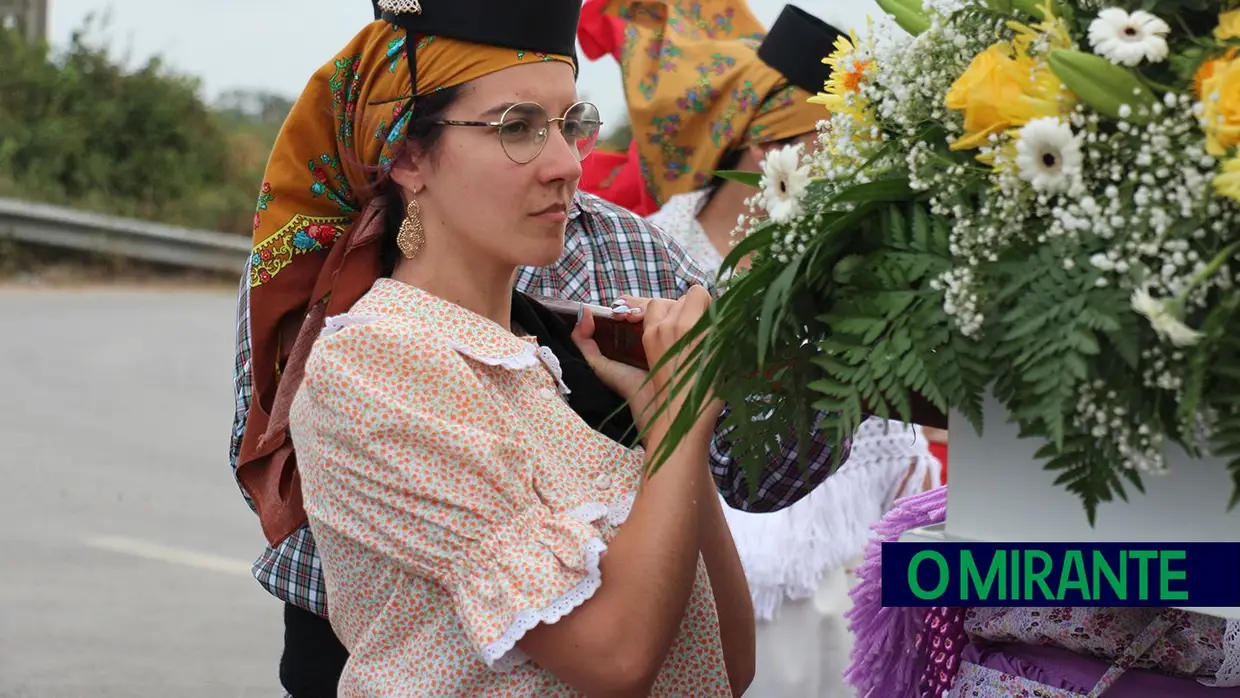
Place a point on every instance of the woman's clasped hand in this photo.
(664, 323)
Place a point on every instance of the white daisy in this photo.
(784, 181)
(1048, 155)
(1164, 318)
(1127, 39)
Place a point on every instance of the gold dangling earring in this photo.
(411, 236)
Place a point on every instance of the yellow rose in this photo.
(1228, 26)
(1220, 95)
(1227, 183)
(1002, 89)
(978, 92)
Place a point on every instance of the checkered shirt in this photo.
(608, 251)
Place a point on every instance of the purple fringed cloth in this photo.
(902, 652)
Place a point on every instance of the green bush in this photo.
(78, 129)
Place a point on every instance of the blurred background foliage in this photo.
(79, 129)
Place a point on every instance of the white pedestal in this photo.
(998, 492)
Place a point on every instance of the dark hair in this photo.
(421, 136)
(728, 161)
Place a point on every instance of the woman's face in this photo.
(477, 203)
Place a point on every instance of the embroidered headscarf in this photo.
(318, 224)
(699, 82)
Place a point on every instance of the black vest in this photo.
(601, 407)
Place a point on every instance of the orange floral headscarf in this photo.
(316, 247)
(696, 89)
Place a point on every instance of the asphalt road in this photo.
(124, 545)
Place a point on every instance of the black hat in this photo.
(796, 45)
(538, 26)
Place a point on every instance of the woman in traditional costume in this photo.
(478, 536)
(1064, 652)
(708, 89)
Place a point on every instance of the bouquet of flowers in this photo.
(1036, 199)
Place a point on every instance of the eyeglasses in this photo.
(523, 129)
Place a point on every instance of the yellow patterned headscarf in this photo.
(342, 134)
(696, 89)
(345, 129)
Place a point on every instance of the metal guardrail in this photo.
(55, 226)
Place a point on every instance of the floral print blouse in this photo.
(458, 502)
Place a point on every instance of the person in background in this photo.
(707, 89)
(609, 254)
(938, 448)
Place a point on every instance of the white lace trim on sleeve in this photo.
(503, 654)
(1228, 674)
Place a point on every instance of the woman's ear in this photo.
(408, 174)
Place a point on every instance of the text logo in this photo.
(1061, 574)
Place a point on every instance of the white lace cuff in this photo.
(489, 593)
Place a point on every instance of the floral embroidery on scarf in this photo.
(664, 130)
(780, 99)
(299, 236)
(396, 51)
(537, 54)
(719, 64)
(721, 133)
(629, 46)
(744, 98)
(394, 134)
(342, 194)
(647, 87)
(667, 54)
(264, 197)
(663, 51)
(647, 173)
(698, 98)
(724, 22)
(345, 84)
